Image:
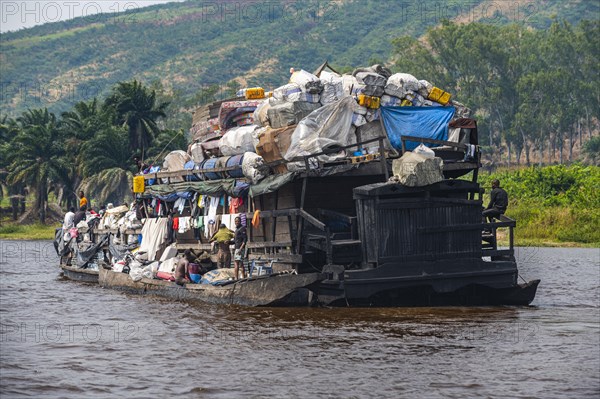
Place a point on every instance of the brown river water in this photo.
(63, 339)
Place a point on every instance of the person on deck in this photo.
(498, 202)
(181, 270)
(69, 219)
(83, 202)
(223, 238)
(141, 165)
(240, 240)
(79, 216)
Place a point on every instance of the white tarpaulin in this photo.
(328, 126)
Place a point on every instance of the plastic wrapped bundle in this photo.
(286, 93)
(254, 167)
(261, 117)
(310, 98)
(238, 140)
(176, 160)
(378, 69)
(395, 91)
(390, 101)
(358, 119)
(375, 91)
(415, 170)
(372, 115)
(399, 82)
(333, 88)
(302, 78)
(371, 79)
(290, 113)
(373, 130)
(325, 128)
(349, 83)
(314, 87)
(425, 88)
(196, 152)
(418, 100)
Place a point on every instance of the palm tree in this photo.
(79, 125)
(136, 108)
(37, 159)
(107, 166)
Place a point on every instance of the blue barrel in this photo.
(211, 164)
(190, 165)
(235, 160)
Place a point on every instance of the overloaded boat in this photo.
(326, 223)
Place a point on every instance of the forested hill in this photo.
(191, 45)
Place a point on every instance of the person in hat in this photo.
(223, 238)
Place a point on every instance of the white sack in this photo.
(237, 140)
(414, 170)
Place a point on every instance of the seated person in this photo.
(181, 270)
(498, 202)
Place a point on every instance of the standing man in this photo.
(223, 238)
(69, 220)
(498, 202)
(240, 240)
(83, 202)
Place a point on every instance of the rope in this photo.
(163, 150)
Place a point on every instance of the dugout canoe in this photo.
(271, 290)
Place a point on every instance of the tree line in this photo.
(533, 92)
(90, 147)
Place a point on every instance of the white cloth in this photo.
(154, 234)
(212, 208)
(184, 224)
(68, 222)
(229, 221)
(179, 205)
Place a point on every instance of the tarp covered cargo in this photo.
(220, 187)
(426, 122)
(327, 127)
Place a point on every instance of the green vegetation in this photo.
(552, 205)
(532, 91)
(90, 148)
(28, 232)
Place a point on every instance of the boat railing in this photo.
(490, 237)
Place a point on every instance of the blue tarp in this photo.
(426, 122)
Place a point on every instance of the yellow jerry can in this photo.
(138, 184)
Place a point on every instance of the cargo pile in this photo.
(308, 115)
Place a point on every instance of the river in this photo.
(63, 339)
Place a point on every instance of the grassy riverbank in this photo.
(27, 232)
(553, 206)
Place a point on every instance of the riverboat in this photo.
(334, 229)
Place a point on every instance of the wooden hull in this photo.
(275, 290)
(77, 274)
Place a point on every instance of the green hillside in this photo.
(191, 45)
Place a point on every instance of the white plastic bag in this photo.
(254, 167)
(425, 151)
